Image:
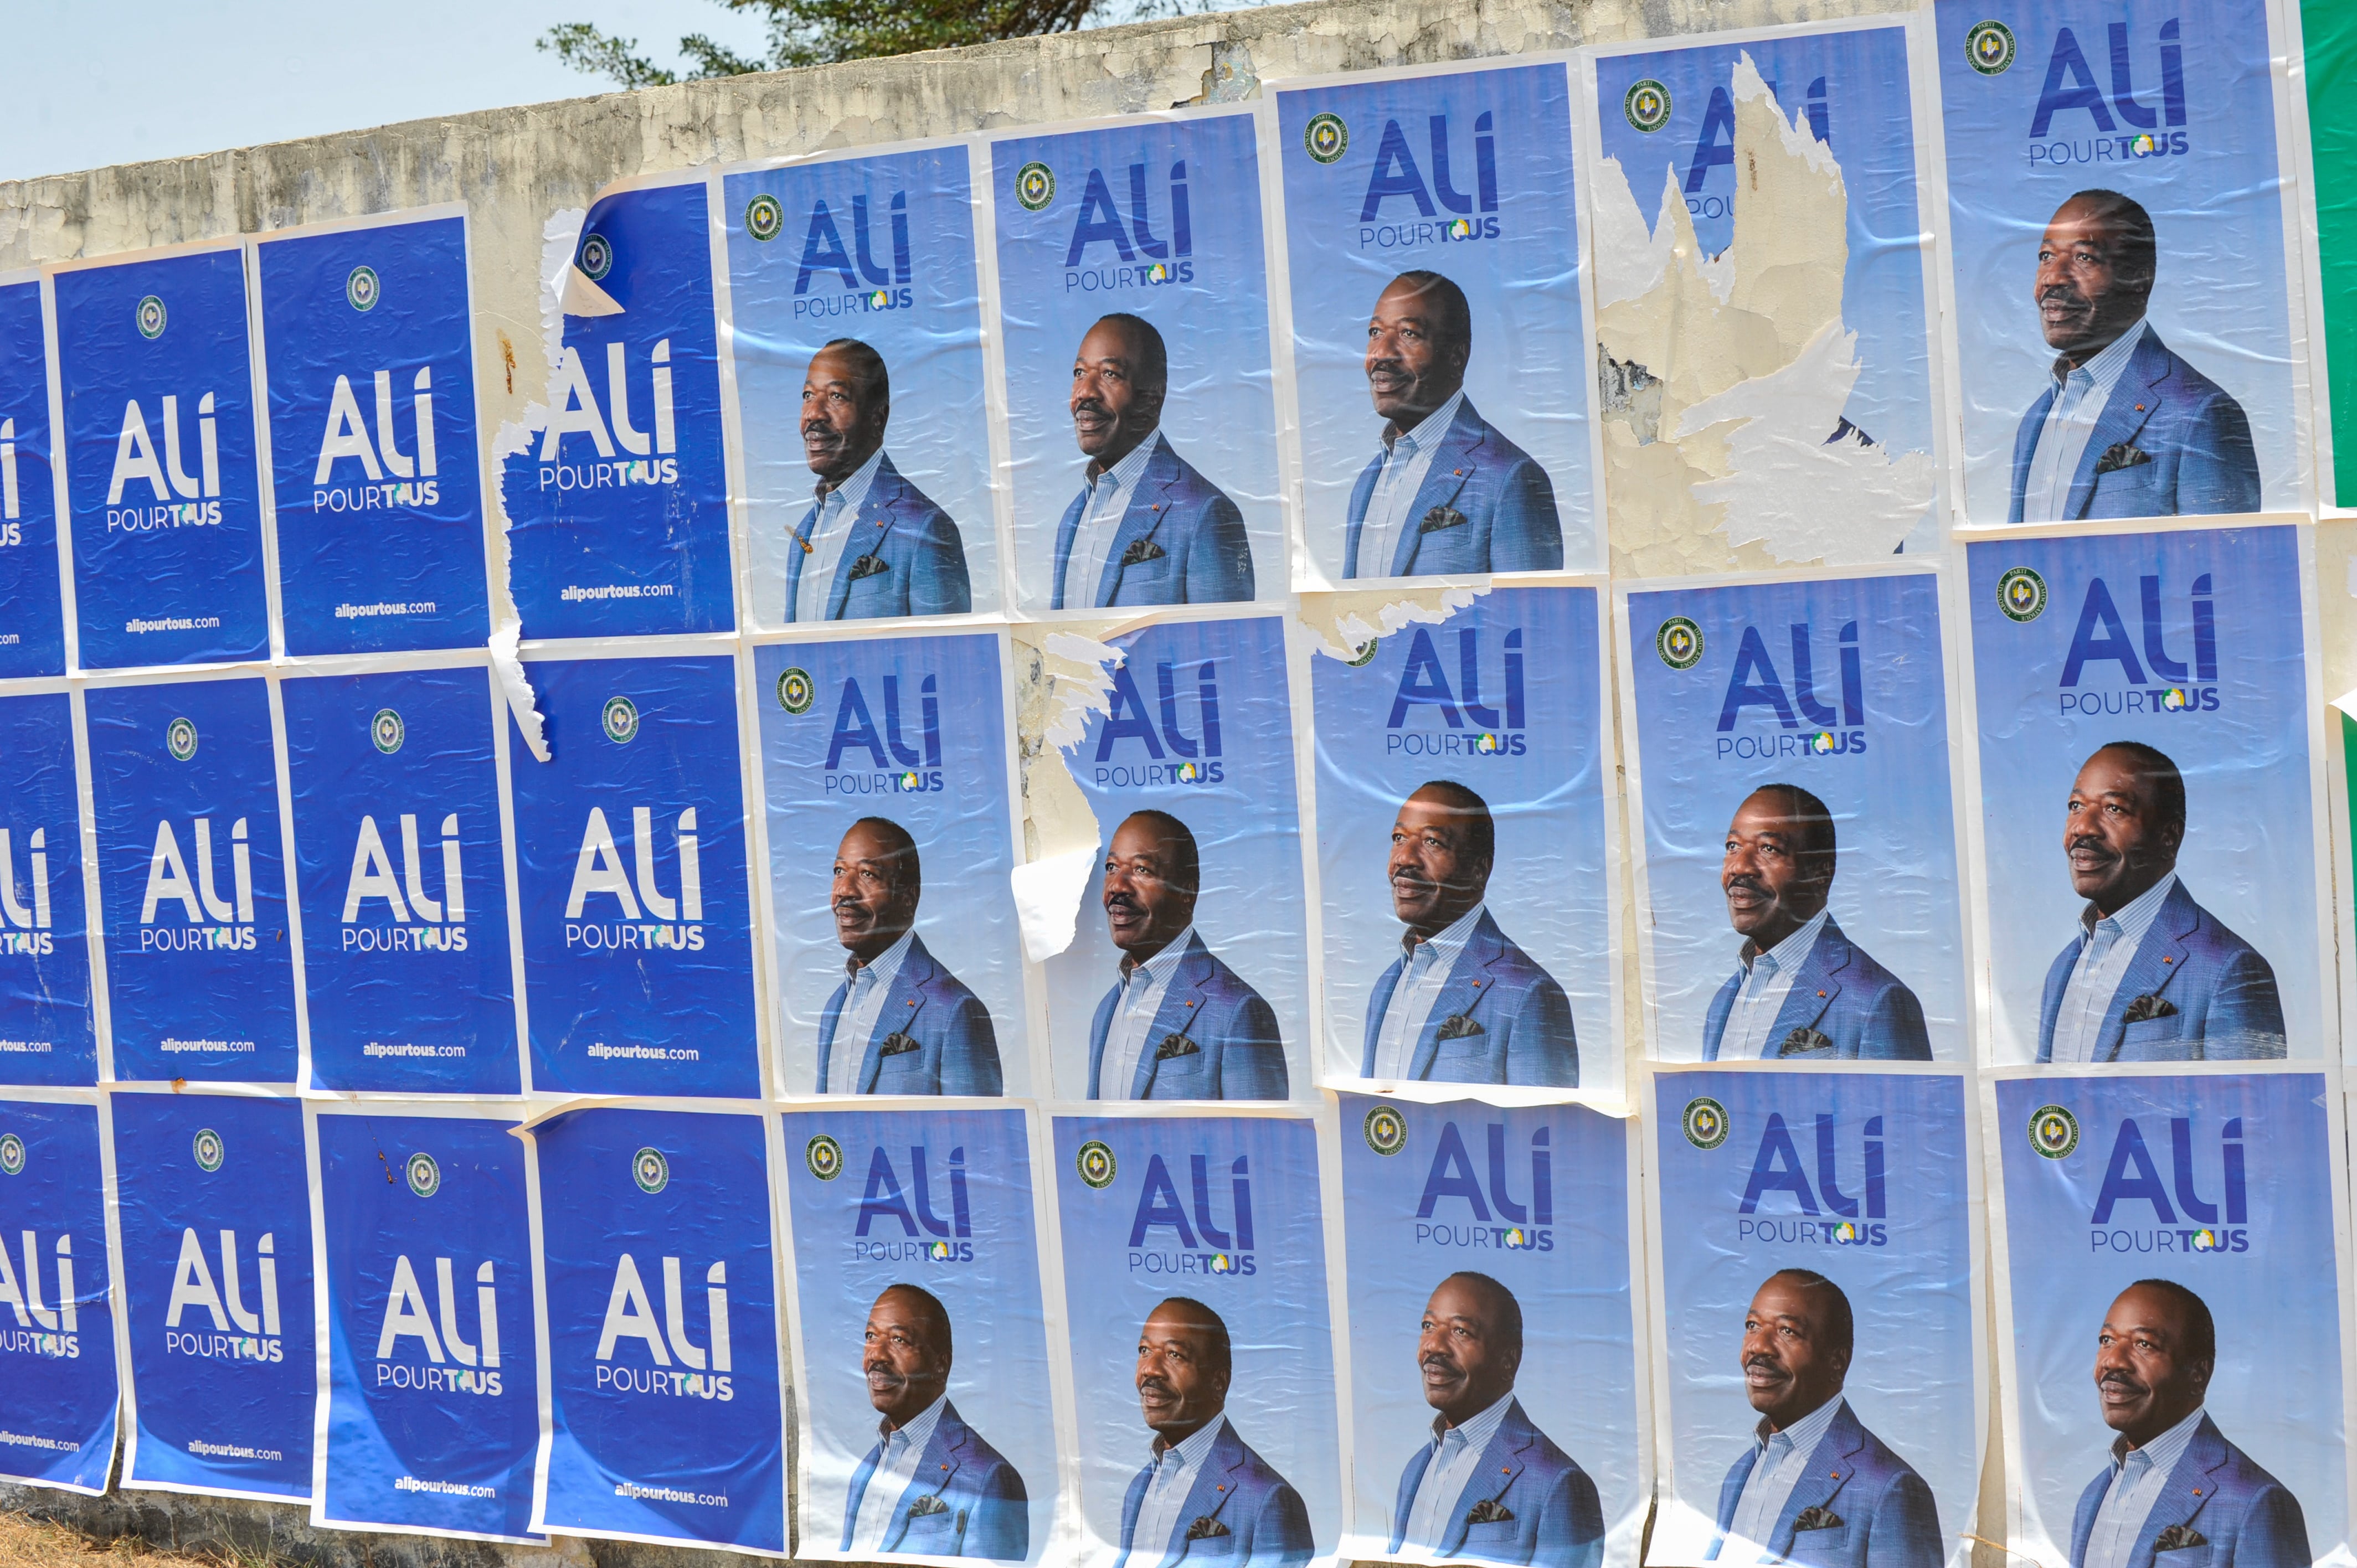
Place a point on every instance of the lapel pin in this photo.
(1820, 993)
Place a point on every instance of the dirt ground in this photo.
(34, 1544)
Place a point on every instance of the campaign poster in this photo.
(408, 970)
(1816, 1273)
(2147, 786)
(617, 498)
(1162, 1219)
(1132, 298)
(162, 476)
(2170, 1262)
(192, 881)
(213, 1207)
(855, 338)
(915, 1234)
(369, 356)
(47, 1031)
(2123, 301)
(1762, 211)
(1465, 851)
(1491, 1299)
(428, 1416)
(666, 1423)
(1433, 248)
(633, 881)
(1798, 887)
(58, 1334)
(878, 756)
(32, 626)
(1188, 976)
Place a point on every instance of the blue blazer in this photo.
(983, 1512)
(1553, 1518)
(1259, 1516)
(1886, 1513)
(956, 1049)
(1192, 534)
(2195, 437)
(916, 542)
(1238, 1053)
(1843, 995)
(1504, 505)
(2244, 1513)
(2223, 991)
(1520, 1019)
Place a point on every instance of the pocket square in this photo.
(1139, 552)
(1440, 517)
(1488, 1510)
(2179, 1537)
(1816, 1518)
(1802, 1042)
(928, 1504)
(896, 1045)
(1458, 1026)
(1175, 1046)
(2149, 1007)
(1206, 1528)
(868, 566)
(2121, 454)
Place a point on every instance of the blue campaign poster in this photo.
(914, 1236)
(1461, 772)
(213, 1206)
(162, 474)
(32, 624)
(56, 1336)
(200, 951)
(617, 503)
(408, 977)
(48, 1032)
(378, 479)
(1488, 1265)
(878, 757)
(630, 865)
(430, 1423)
(1184, 1327)
(666, 1418)
(1433, 244)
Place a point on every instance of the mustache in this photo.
(2066, 292)
(1435, 1358)
(1744, 879)
(820, 427)
(1761, 1359)
(846, 905)
(1093, 405)
(1121, 901)
(2125, 1379)
(2088, 841)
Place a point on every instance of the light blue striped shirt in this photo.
(1456, 1452)
(1783, 1459)
(2139, 1478)
(2107, 945)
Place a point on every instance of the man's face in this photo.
(2143, 1381)
(906, 1370)
(842, 421)
(1143, 909)
(1412, 367)
(2084, 302)
(1467, 1368)
(2115, 836)
(1177, 1388)
(1774, 885)
(1787, 1368)
(875, 898)
(1436, 879)
(1111, 410)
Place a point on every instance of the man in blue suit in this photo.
(1815, 1488)
(930, 1485)
(1448, 493)
(1802, 988)
(907, 1025)
(2176, 1490)
(1489, 1486)
(2124, 428)
(2149, 975)
(1146, 529)
(1202, 1494)
(872, 543)
(1461, 1004)
(1178, 1023)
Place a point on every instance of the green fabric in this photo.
(2331, 29)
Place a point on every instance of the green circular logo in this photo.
(180, 739)
(1705, 1123)
(1035, 187)
(150, 317)
(424, 1176)
(651, 1170)
(1990, 48)
(1366, 654)
(1385, 1130)
(797, 692)
(386, 731)
(2021, 594)
(620, 720)
(823, 1155)
(765, 219)
(362, 290)
(597, 256)
(207, 1147)
(1679, 643)
(1326, 138)
(1647, 105)
(12, 1155)
(2053, 1132)
(1096, 1165)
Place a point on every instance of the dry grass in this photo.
(35, 1543)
